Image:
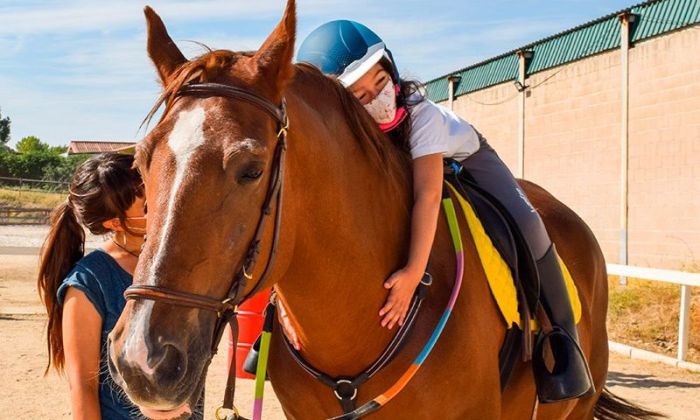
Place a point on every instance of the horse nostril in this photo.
(172, 365)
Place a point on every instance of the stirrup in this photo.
(569, 376)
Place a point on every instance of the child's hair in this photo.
(408, 89)
(103, 188)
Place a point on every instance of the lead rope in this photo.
(398, 386)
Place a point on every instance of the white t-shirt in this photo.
(436, 129)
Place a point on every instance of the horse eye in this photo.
(251, 175)
(255, 174)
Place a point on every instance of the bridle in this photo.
(225, 308)
(345, 389)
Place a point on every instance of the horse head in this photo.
(208, 167)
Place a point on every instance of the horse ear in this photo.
(274, 58)
(166, 56)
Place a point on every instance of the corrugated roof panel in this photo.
(655, 17)
(438, 90)
(583, 42)
(95, 146)
(492, 73)
(475, 78)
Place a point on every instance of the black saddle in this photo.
(511, 244)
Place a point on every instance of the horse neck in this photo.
(351, 227)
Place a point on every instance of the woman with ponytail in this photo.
(83, 294)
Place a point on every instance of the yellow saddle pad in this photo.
(499, 275)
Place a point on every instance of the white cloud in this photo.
(77, 16)
(84, 16)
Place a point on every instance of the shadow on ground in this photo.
(644, 381)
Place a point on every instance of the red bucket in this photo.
(250, 323)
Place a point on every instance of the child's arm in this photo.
(427, 192)
(82, 325)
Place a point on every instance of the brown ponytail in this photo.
(64, 246)
(103, 188)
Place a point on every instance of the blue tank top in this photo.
(103, 281)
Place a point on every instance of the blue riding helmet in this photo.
(344, 49)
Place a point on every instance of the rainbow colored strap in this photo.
(261, 369)
(398, 386)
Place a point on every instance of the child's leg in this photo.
(570, 377)
(489, 171)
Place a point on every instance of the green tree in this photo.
(31, 144)
(58, 149)
(4, 129)
(37, 160)
(64, 169)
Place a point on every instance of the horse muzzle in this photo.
(156, 375)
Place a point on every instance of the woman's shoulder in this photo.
(96, 264)
(96, 275)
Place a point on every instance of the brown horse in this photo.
(345, 228)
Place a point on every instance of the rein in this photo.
(382, 399)
(345, 388)
(225, 308)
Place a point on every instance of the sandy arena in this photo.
(26, 393)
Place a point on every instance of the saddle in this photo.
(495, 232)
(510, 269)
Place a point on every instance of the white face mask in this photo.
(383, 107)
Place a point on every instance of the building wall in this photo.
(572, 143)
(664, 150)
(572, 131)
(494, 113)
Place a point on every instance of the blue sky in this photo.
(78, 70)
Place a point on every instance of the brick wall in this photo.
(497, 121)
(664, 150)
(572, 143)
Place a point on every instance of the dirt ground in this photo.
(26, 393)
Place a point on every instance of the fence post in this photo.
(684, 322)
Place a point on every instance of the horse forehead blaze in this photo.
(185, 138)
(187, 135)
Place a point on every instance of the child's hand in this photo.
(403, 284)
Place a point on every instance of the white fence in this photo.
(684, 279)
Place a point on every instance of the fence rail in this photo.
(22, 216)
(682, 278)
(33, 184)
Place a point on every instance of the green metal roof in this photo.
(582, 42)
(659, 17)
(653, 18)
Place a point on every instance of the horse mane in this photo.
(377, 145)
(214, 65)
(205, 68)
